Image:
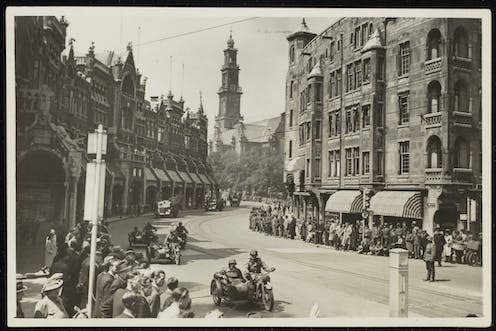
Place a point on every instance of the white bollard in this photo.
(398, 282)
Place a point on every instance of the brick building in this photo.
(156, 149)
(384, 121)
(230, 131)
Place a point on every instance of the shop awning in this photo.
(196, 178)
(186, 178)
(204, 179)
(345, 202)
(174, 176)
(162, 176)
(397, 203)
(149, 176)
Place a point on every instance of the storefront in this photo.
(165, 191)
(395, 207)
(345, 206)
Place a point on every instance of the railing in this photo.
(433, 65)
(433, 175)
(462, 119)
(432, 120)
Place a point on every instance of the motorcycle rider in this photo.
(254, 268)
(232, 277)
(172, 238)
(181, 231)
(135, 232)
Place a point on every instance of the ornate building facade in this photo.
(384, 121)
(156, 149)
(230, 132)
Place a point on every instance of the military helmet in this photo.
(254, 253)
(232, 261)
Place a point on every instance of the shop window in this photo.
(462, 45)
(433, 44)
(433, 96)
(462, 154)
(462, 102)
(434, 152)
(404, 149)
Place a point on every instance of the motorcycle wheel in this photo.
(215, 295)
(268, 300)
(177, 259)
(472, 259)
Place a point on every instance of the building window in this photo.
(318, 92)
(291, 89)
(317, 129)
(317, 168)
(337, 123)
(290, 149)
(366, 70)
(404, 111)
(330, 117)
(365, 34)
(332, 50)
(356, 161)
(337, 163)
(307, 94)
(338, 83)
(290, 117)
(302, 134)
(365, 163)
(349, 123)
(404, 60)
(462, 98)
(433, 96)
(291, 54)
(332, 84)
(433, 44)
(380, 115)
(462, 154)
(380, 163)
(357, 37)
(349, 77)
(307, 169)
(349, 162)
(356, 119)
(380, 68)
(462, 45)
(434, 153)
(404, 157)
(330, 159)
(365, 116)
(358, 74)
(309, 131)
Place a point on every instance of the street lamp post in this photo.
(94, 197)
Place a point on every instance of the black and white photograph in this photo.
(218, 166)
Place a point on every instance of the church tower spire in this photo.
(229, 91)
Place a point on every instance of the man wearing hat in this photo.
(21, 288)
(103, 282)
(120, 270)
(133, 285)
(172, 283)
(232, 277)
(130, 258)
(51, 305)
(84, 273)
(429, 258)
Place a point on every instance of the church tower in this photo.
(229, 92)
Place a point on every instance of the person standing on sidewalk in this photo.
(447, 251)
(50, 249)
(51, 305)
(429, 258)
(439, 242)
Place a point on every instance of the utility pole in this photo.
(94, 197)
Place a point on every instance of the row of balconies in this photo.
(461, 119)
(439, 176)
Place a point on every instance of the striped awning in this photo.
(162, 175)
(344, 201)
(397, 203)
(196, 178)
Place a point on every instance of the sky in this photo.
(262, 55)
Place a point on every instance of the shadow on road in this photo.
(194, 286)
(199, 253)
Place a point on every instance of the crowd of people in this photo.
(277, 219)
(125, 286)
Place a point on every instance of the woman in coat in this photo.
(50, 249)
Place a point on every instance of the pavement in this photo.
(344, 284)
